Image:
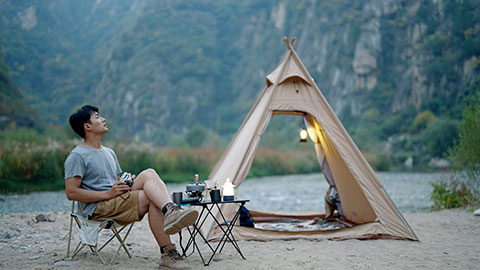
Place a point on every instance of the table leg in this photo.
(196, 231)
(227, 233)
(230, 233)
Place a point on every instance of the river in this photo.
(409, 191)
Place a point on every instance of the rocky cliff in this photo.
(158, 66)
(356, 51)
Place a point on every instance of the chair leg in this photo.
(78, 248)
(111, 238)
(100, 256)
(125, 238)
(121, 241)
(69, 236)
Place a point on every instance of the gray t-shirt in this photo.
(98, 169)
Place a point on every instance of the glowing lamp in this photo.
(303, 135)
(228, 190)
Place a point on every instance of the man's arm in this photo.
(76, 193)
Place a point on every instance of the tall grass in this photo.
(26, 166)
(38, 166)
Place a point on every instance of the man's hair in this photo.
(82, 116)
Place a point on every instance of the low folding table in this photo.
(206, 212)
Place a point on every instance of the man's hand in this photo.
(118, 189)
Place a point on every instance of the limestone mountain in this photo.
(162, 67)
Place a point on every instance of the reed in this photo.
(27, 166)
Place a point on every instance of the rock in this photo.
(40, 218)
(28, 18)
(5, 236)
(42, 267)
(477, 213)
(438, 163)
(51, 217)
(44, 218)
(61, 264)
(2, 199)
(409, 162)
(33, 257)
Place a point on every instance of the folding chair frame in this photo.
(107, 224)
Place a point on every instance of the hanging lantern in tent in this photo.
(303, 135)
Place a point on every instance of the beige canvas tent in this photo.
(291, 90)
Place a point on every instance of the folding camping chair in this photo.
(88, 231)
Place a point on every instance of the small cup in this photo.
(210, 184)
(177, 197)
(215, 195)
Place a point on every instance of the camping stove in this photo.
(194, 192)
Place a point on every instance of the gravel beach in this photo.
(449, 239)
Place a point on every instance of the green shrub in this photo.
(379, 162)
(422, 120)
(439, 136)
(281, 162)
(451, 194)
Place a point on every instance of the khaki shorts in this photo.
(123, 211)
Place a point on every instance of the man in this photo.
(92, 178)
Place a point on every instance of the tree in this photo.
(466, 153)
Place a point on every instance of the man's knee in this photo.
(152, 174)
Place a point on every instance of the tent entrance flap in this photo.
(355, 205)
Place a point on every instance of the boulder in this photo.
(44, 218)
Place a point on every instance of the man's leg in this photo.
(155, 219)
(156, 192)
(170, 256)
(154, 188)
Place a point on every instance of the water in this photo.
(409, 191)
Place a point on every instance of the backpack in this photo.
(246, 219)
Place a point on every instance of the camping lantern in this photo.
(303, 135)
(228, 191)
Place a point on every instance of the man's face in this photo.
(97, 124)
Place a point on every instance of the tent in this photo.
(291, 90)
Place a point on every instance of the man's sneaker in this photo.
(176, 218)
(171, 259)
